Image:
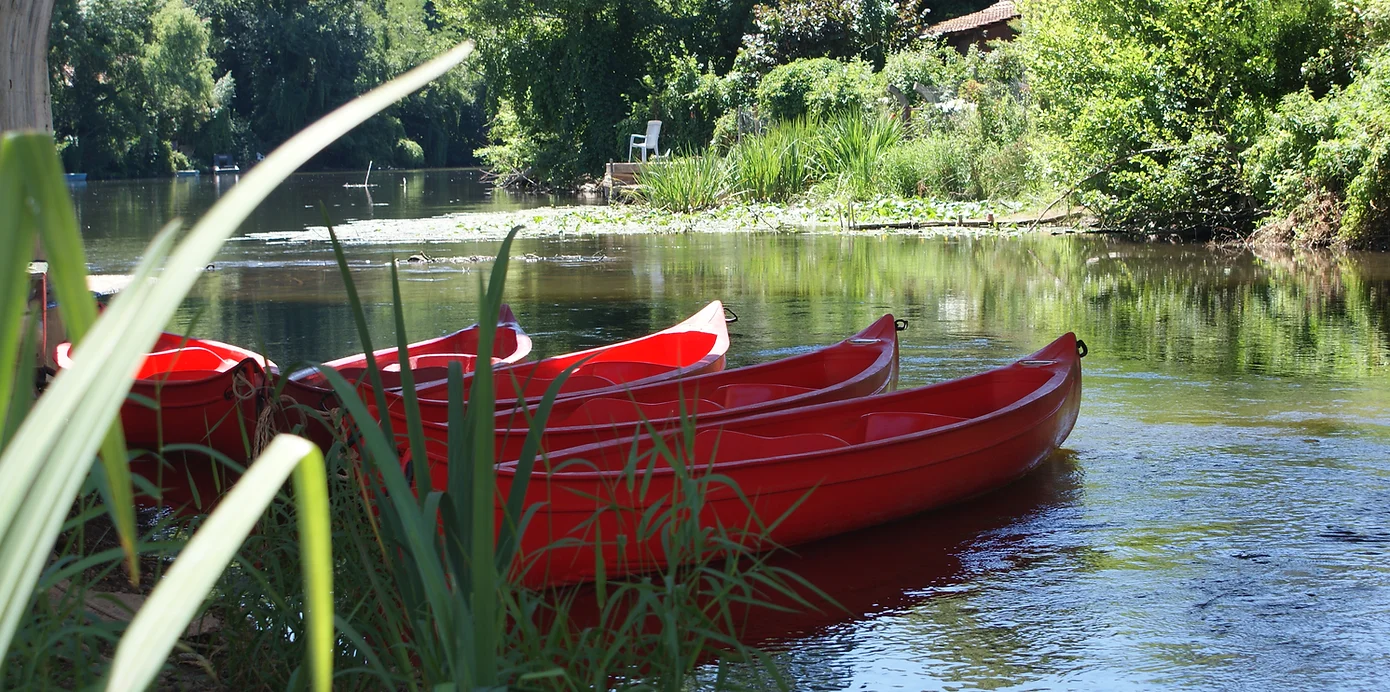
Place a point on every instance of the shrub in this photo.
(687, 99)
(781, 95)
(514, 148)
(819, 87)
(1337, 148)
(791, 30)
(1165, 98)
(409, 154)
(937, 66)
(850, 89)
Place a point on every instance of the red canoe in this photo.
(429, 360)
(208, 393)
(849, 464)
(864, 364)
(693, 347)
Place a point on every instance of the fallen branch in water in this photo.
(964, 223)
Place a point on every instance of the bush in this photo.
(851, 89)
(1165, 98)
(514, 149)
(939, 67)
(409, 154)
(688, 100)
(819, 87)
(1337, 148)
(791, 30)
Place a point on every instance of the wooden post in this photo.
(901, 98)
(927, 93)
(25, 101)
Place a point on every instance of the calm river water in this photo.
(1219, 518)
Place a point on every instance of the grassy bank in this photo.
(864, 159)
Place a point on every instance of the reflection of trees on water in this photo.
(1211, 311)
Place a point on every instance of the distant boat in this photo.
(224, 163)
(188, 173)
(75, 177)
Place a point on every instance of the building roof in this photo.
(1001, 11)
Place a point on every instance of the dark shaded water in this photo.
(1219, 519)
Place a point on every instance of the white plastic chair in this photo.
(645, 143)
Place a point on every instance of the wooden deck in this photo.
(619, 175)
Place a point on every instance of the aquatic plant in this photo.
(849, 148)
(684, 183)
(774, 165)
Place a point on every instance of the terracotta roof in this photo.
(1001, 11)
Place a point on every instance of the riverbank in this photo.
(882, 215)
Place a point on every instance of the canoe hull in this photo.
(862, 365)
(832, 492)
(694, 347)
(204, 393)
(308, 399)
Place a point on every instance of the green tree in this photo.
(129, 78)
(179, 72)
(572, 70)
(1162, 96)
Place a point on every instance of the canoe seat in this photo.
(623, 371)
(881, 426)
(182, 375)
(606, 410)
(726, 445)
(440, 361)
(536, 386)
(160, 363)
(735, 395)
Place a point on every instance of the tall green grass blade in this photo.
(67, 264)
(316, 560)
(360, 318)
(16, 250)
(45, 462)
(175, 600)
(22, 396)
(415, 430)
(417, 535)
(483, 568)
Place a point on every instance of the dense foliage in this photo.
(132, 79)
(144, 87)
(1324, 163)
(1157, 100)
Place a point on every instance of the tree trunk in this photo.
(25, 101)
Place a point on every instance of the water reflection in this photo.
(119, 216)
(1219, 520)
(897, 566)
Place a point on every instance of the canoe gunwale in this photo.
(886, 360)
(1066, 368)
(708, 320)
(506, 320)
